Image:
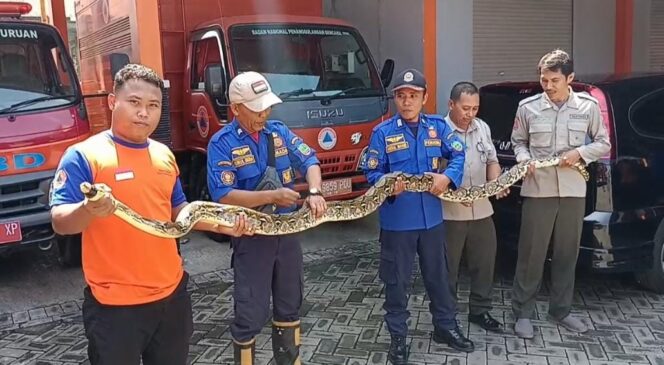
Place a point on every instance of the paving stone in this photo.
(342, 322)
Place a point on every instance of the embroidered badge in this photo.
(287, 176)
(432, 143)
(304, 149)
(59, 180)
(457, 146)
(228, 178)
(372, 163)
(432, 133)
(224, 163)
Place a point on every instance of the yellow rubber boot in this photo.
(244, 353)
(286, 342)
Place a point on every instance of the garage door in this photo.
(657, 35)
(510, 37)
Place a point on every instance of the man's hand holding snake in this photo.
(317, 205)
(103, 207)
(440, 183)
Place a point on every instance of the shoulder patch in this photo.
(457, 146)
(224, 163)
(228, 178)
(59, 180)
(585, 96)
(304, 149)
(530, 99)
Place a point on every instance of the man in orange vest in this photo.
(136, 305)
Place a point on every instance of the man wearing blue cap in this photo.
(415, 143)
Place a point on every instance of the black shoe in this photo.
(485, 321)
(454, 338)
(398, 354)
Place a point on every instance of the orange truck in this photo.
(321, 68)
(41, 114)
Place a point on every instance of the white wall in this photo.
(455, 47)
(641, 36)
(392, 28)
(594, 36)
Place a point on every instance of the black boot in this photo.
(244, 353)
(286, 343)
(485, 321)
(454, 338)
(399, 351)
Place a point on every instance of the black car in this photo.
(623, 229)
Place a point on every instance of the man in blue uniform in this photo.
(412, 223)
(251, 163)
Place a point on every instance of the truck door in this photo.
(208, 79)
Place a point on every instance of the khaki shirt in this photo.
(541, 130)
(480, 153)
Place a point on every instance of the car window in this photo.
(646, 115)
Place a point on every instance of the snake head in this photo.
(94, 192)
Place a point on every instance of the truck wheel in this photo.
(653, 279)
(203, 194)
(69, 250)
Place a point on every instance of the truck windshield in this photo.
(306, 61)
(35, 72)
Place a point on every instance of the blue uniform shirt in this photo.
(394, 147)
(237, 161)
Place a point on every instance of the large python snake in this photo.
(302, 219)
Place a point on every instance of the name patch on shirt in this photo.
(432, 143)
(281, 151)
(124, 175)
(579, 116)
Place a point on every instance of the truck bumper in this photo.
(35, 229)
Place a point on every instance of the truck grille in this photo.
(337, 164)
(24, 194)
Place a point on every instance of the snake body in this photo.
(302, 219)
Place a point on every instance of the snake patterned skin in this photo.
(302, 219)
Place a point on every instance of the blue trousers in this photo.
(397, 255)
(265, 267)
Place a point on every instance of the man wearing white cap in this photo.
(251, 163)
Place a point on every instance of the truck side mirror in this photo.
(214, 83)
(387, 72)
(118, 61)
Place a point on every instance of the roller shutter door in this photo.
(510, 37)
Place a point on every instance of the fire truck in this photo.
(332, 92)
(41, 114)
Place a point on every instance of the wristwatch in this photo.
(315, 191)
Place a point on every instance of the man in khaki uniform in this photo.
(469, 227)
(557, 122)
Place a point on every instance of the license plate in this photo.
(337, 187)
(10, 232)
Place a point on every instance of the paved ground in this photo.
(342, 322)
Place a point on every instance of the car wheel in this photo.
(203, 194)
(69, 250)
(653, 279)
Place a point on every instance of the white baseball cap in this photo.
(252, 89)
